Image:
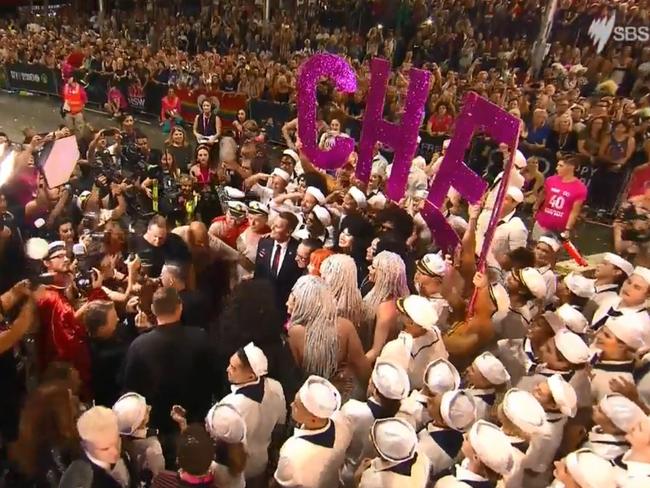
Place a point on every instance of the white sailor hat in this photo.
(572, 319)
(399, 350)
(630, 329)
(378, 201)
(358, 196)
(441, 376)
(258, 208)
(292, 154)
(533, 280)
(234, 193)
(515, 193)
(224, 422)
(131, 411)
(551, 242)
(491, 368)
(279, 172)
(457, 409)
(622, 411)
(589, 470)
(491, 446)
(390, 379)
(257, 359)
(319, 397)
(55, 247)
(394, 438)
(500, 299)
(323, 215)
(316, 193)
(616, 260)
(523, 410)
(520, 159)
(643, 273)
(579, 285)
(572, 347)
(419, 309)
(432, 264)
(564, 395)
(237, 209)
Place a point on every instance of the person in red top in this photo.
(441, 120)
(62, 336)
(170, 111)
(230, 226)
(74, 101)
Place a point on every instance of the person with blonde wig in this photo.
(340, 273)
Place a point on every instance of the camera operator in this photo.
(11, 332)
(161, 186)
(12, 257)
(144, 155)
(158, 245)
(632, 227)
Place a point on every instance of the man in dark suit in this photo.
(171, 365)
(276, 258)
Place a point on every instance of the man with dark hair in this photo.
(158, 245)
(276, 257)
(65, 233)
(171, 365)
(305, 248)
(396, 219)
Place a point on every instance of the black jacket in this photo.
(171, 365)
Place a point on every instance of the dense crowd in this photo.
(217, 311)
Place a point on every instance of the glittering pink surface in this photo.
(477, 114)
(311, 71)
(401, 137)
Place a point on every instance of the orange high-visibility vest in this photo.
(74, 99)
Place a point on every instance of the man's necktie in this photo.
(276, 260)
(610, 313)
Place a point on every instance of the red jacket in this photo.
(61, 336)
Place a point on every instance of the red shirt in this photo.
(227, 233)
(638, 180)
(441, 124)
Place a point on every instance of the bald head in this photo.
(198, 235)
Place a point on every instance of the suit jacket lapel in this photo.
(290, 254)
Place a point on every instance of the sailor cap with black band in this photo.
(419, 309)
(258, 208)
(532, 279)
(237, 209)
(432, 264)
(54, 248)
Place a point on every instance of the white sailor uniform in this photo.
(262, 405)
(463, 478)
(426, 348)
(633, 474)
(550, 278)
(442, 445)
(607, 446)
(518, 358)
(604, 371)
(542, 451)
(642, 378)
(603, 293)
(412, 473)
(414, 410)
(443, 309)
(361, 416)
(515, 478)
(611, 308)
(313, 458)
(578, 379)
(515, 324)
(484, 400)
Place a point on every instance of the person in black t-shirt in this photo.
(158, 245)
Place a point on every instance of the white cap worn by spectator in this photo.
(589, 470)
(292, 154)
(630, 329)
(643, 273)
(131, 411)
(622, 411)
(579, 285)
(534, 281)
(323, 215)
(394, 438)
(390, 379)
(319, 397)
(378, 201)
(500, 299)
(491, 368)
(520, 159)
(399, 350)
(551, 242)
(258, 208)
(97, 423)
(420, 310)
(572, 347)
(491, 446)
(572, 319)
(432, 264)
(523, 410)
(616, 260)
(279, 172)
(316, 193)
(564, 395)
(223, 422)
(458, 409)
(55, 247)
(515, 193)
(358, 196)
(441, 376)
(234, 193)
(257, 359)
(237, 209)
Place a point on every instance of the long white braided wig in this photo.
(390, 282)
(340, 273)
(315, 309)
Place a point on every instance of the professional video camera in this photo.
(636, 226)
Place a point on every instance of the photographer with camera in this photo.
(632, 227)
(162, 187)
